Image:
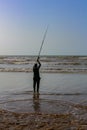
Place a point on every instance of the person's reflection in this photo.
(36, 103)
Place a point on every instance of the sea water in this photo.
(18, 86)
(49, 63)
(62, 89)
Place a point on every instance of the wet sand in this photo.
(34, 121)
(40, 121)
(43, 115)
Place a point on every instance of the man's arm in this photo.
(38, 62)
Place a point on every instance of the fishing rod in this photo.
(42, 42)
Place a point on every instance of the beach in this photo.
(61, 104)
(55, 108)
(42, 115)
(38, 121)
(43, 64)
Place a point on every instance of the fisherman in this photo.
(36, 76)
(36, 67)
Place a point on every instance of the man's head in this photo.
(35, 64)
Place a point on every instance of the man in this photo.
(36, 76)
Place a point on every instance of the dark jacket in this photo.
(36, 68)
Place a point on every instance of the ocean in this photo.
(63, 86)
(51, 64)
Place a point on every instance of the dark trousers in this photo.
(36, 82)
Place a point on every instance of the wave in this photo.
(49, 63)
(47, 93)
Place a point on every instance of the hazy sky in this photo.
(23, 23)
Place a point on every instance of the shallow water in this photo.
(59, 93)
(52, 83)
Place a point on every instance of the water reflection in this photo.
(36, 102)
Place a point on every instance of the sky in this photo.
(23, 24)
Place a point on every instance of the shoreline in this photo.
(39, 121)
(46, 115)
(44, 71)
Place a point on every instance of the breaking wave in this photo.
(49, 63)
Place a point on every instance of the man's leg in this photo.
(34, 85)
(38, 84)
